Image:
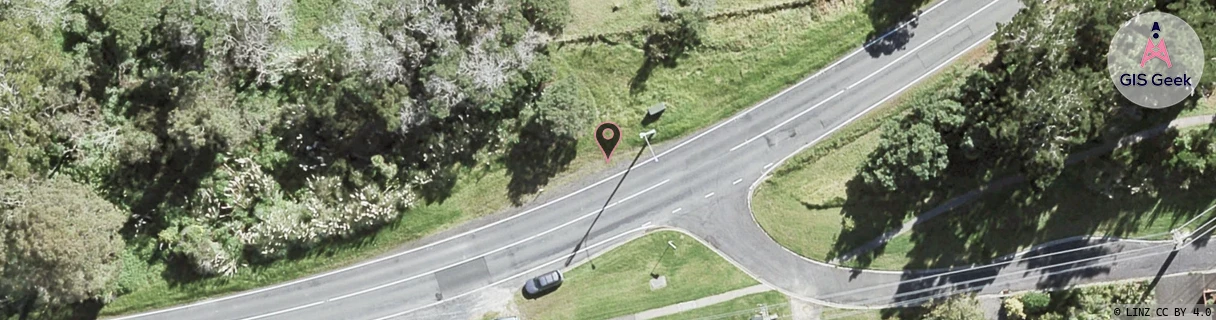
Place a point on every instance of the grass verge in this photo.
(619, 283)
(741, 61)
(599, 16)
(754, 56)
(740, 308)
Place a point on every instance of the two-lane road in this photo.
(701, 183)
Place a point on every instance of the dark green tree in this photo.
(914, 149)
(61, 240)
(964, 307)
(549, 16)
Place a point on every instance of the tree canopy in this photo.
(1044, 95)
(962, 307)
(61, 240)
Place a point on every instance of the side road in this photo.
(1087, 260)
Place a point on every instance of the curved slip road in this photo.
(700, 184)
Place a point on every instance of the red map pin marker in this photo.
(607, 135)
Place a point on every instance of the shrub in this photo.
(1035, 303)
(1014, 309)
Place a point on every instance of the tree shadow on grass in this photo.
(869, 213)
(538, 156)
(1075, 204)
(638, 83)
(885, 19)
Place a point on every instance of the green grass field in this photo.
(742, 61)
(745, 307)
(598, 16)
(619, 283)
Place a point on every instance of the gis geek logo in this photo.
(1140, 63)
(1156, 50)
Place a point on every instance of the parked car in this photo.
(544, 282)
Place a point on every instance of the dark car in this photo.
(543, 283)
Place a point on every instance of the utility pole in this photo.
(646, 136)
(656, 263)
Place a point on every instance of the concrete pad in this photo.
(658, 283)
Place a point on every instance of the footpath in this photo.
(689, 305)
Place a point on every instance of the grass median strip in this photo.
(619, 283)
(800, 206)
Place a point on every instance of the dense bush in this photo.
(233, 132)
(1035, 303)
(964, 307)
(676, 31)
(1082, 303)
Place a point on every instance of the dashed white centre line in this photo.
(770, 164)
(910, 53)
(737, 181)
(709, 195)
(677, 210)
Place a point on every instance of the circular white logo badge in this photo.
(1155, 60)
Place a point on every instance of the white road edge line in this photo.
(872, 74)
(546, 204)
(420, 275)
(796, 116)
(283, 311)
(483, 255)
(737, 181)
(512, 277)
(677, 210)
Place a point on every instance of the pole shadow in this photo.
(602, 208)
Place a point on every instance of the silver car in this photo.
(543, 283)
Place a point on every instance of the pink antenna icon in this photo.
(1157, 50)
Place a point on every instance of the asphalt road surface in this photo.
(701, 184)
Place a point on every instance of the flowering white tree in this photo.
(254, 32)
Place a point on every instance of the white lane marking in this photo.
(872, 74)
(500, 249)
(677, 210)
(736, 181)
(513, 277)
(709, 195)
(770, 164)
(283, 311)
(787, 121)
(525, 212)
